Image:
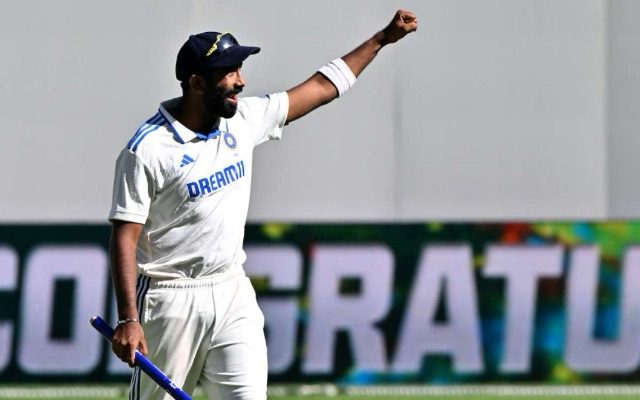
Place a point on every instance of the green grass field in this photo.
(468, 397)
(341, 397)
(389, 398)
(333, 392)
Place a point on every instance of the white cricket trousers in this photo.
(205, 330)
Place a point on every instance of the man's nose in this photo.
(240, 80)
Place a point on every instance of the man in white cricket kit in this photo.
(180, 201)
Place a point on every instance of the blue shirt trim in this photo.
(149, 126)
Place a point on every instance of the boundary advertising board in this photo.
(362, 303)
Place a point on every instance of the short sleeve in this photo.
(267, 115)
(133, 189)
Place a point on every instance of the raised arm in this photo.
(319, 89)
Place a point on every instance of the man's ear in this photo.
(196, 82)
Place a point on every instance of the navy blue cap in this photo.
(210, 50)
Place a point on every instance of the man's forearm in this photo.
(124, 268)
(361, 56)
(339, 75)
(403, 22)
(124, 283)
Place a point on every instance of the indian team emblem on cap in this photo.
(230, 140)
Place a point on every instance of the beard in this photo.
(216, 102)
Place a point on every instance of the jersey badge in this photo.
(230, 140)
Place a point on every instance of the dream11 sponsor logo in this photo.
(50, 272)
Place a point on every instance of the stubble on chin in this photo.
(229, 110)
(217, 104)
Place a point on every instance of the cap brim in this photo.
(234, 55)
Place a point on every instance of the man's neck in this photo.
(194, 117)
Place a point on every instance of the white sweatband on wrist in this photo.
(339, 73)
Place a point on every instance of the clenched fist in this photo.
(403, 23)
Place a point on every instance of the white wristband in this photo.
(339, 73)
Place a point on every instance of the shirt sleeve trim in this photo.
(128, 217)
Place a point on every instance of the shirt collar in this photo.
(182, 133)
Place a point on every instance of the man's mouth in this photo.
(233, 97)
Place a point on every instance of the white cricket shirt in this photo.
(190, 191)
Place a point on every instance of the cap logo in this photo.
(214, 47)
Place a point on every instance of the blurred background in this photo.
(465, 214)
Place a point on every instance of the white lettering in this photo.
(440, 267)
(8, 281)
(87, 267)
(521, 267)
(330, 311)
(282, 266)
(583, 352)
